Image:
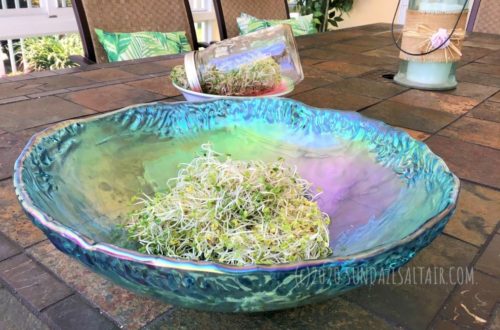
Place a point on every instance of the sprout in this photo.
(234, 212)
(248, 80)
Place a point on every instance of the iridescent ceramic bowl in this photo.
(387, 194)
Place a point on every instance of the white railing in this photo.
(21, 19)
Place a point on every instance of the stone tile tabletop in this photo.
(351, 70)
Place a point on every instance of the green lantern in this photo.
(431, 42)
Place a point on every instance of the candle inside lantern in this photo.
(430, 74)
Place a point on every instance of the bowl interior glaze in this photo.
(379, 184)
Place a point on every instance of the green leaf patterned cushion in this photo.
(301, 25)
(135, 45)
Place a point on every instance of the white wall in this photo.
(376, 11)
(368, 12)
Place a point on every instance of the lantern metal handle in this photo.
(432, 50)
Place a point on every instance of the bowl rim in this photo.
(114, 251)
(288, 82)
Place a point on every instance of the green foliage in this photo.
(52, 52)
(325, 12)
(232, 211)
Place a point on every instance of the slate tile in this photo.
(36, 112)
(371, 41)
(381, 75)
(159, 85)
(453, 104)
(495, 98)
(124, 307)
(468, 161)
(48, 93)
(311, 71)
(440, 324)
(111, 97)
(73, 313)
(368, 88)
(483, 132)
(344, 69)
(413, 117)
(309, 83)
(320, 54)
(492, 58)
(303, 43)
(489, 262)
(59, 82)
(483, 68)
(13, 99)
(10, 90)
(337, 313)
(470, 54)
(145, 68)
(15, 224)
(313, 78)
(415, 305)
(8, 248)
(15, 316)
(326, 97)
(34, 284)
(11, 146)
(473, 301)
(494, 322)
(349, 48)
(486, 111)
(170, 63)
(482, 44)
(476, 215)
(19, 77)
(473, 91)
(308, 61)
(483, 37)
(474, 77)
(107, 74)
(388, 51)
(417, 135)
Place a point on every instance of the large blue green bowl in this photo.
(387, 194)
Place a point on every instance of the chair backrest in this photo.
(130, 16)
(484, 17)
(228, 10)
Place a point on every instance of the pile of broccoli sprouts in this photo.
(233, 212)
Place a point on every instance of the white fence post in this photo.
(12, 56)
(50, 7)
(25, 62)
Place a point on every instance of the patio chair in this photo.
(129, 16)
(228, 10)
(484, 17)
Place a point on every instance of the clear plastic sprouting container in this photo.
(249, 65)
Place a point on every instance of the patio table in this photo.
(346, 69)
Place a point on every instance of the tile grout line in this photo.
(391, 322)
(472, 264)
(24, 302)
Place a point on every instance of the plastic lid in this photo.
(191, 72)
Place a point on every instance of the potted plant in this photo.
(326, 13)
